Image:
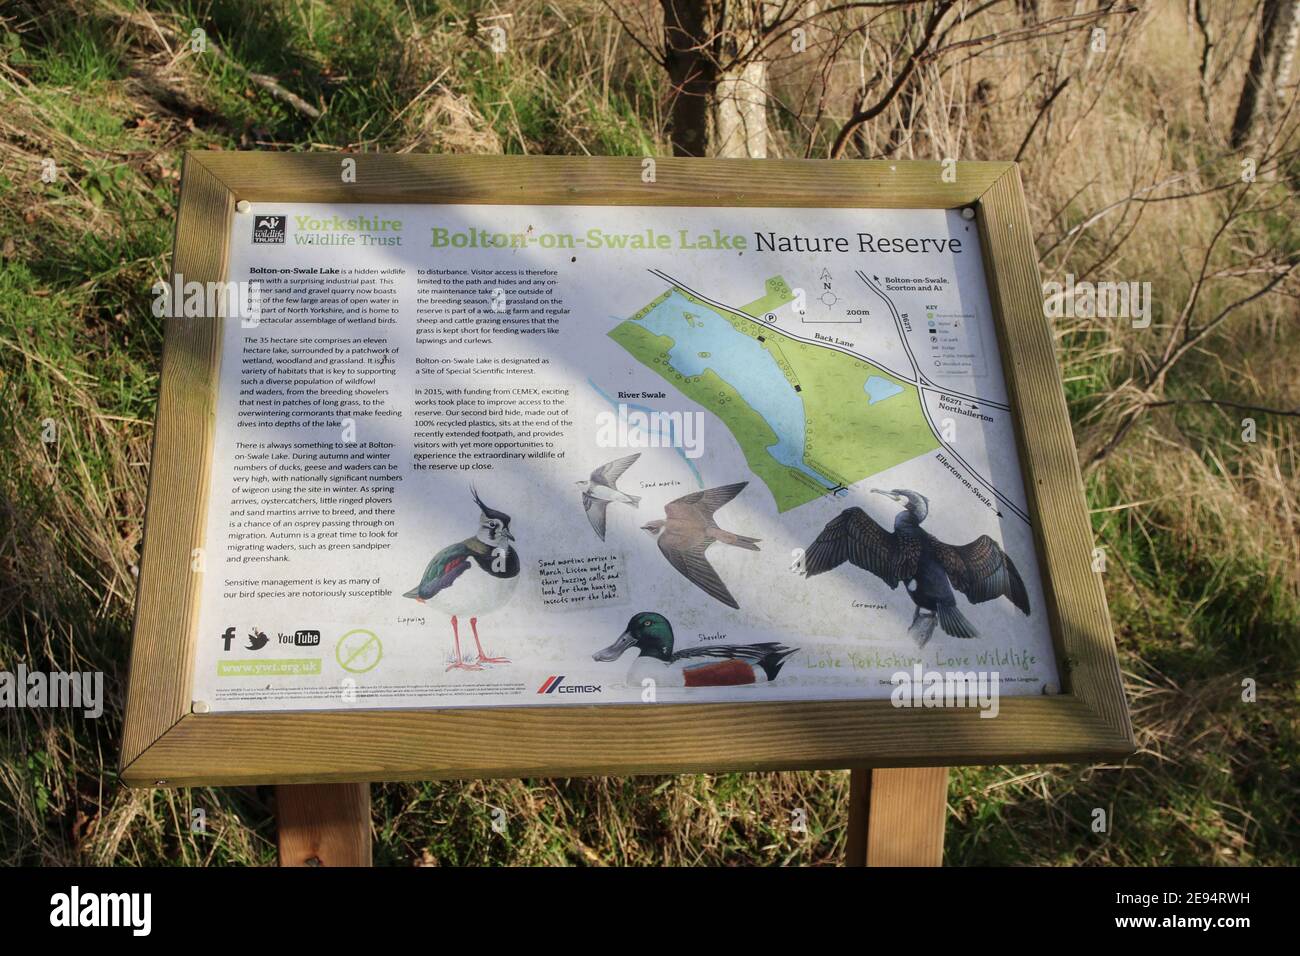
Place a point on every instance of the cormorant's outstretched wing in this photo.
(982, 571)
(703, 502)
(855, 536)
(686, 554)
(610, 472)
(595, 513)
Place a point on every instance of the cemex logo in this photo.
(555, 685)
(301, 639)
(269, 228)
(227, 636)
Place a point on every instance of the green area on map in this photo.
(824, 422)
(776, 295)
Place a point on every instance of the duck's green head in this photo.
(648, 631)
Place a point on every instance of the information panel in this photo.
(491, 455)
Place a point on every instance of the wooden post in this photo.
(324, 824)
(896, 817)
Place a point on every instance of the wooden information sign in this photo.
(514, 466)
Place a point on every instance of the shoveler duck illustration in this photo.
(473, 577)
(716, 665)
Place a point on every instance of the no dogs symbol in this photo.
(358, 651)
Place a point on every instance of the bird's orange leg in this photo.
(483, 658)
(459, 662)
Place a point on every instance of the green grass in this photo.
(1199, 529)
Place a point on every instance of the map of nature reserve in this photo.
(487, 455)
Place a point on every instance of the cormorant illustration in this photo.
(928, 568)
(491, 568)
(601, 488)
(687, 531)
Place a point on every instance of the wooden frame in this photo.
(167, 745)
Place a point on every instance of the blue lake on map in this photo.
(742, 362)
(880, 389)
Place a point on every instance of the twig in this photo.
(271, 86)
(268, 83)
(1042, 111)
(1295, 412)
(657, 58)
(864, 115)
(1011, 36)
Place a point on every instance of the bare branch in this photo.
(865, 115)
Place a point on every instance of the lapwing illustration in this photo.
(686, 532)
(472, 578)
(928, 568)
(601, 488)
(713, 665)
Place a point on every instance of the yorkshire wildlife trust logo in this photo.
(631, 428)
(269, 228)
(923, 688)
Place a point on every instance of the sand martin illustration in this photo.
(601, 488)
(688, 529)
